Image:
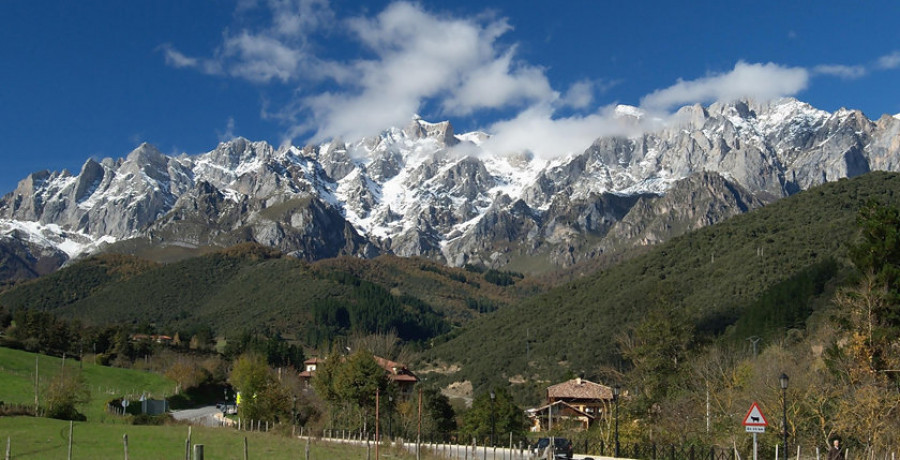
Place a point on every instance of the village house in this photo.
(575, 404)
(398, 374)
(164, 339)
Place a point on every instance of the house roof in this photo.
(396, 371)
(579, 389)
(392, 367)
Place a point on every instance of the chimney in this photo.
(578, 381)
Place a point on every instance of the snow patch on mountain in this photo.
(72, 243)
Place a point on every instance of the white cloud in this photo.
(755, 81)
(299, 18)
(261, 58)
(422, 57)
(843, 71)
(176, 59)
(275, 52)
(580, 95)
(889, 61)
(495, 84)
(536, 130)
(229, 131)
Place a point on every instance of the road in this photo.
(206, 415)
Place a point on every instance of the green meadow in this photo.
(17, 369)
(43, 438)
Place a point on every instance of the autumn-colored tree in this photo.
(187, 372)
(438, 417)
(262, 394)
(65, 393)
(865, 356)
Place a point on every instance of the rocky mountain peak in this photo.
(441, 132)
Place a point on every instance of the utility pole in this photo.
(754, 340)
(493, 396)
(783, 381)
(36, 385)
(377, 421)
(707, 408)
(419, 429)
(616, 400)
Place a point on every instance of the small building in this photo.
(576, 403)
(154, 406)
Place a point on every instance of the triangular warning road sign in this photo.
(755, 417)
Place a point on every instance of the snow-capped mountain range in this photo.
(424, 190)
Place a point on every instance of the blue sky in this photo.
(92, 78)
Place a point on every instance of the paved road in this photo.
(206, 416)
(465, 451)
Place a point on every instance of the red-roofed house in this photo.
(309, 368)
(398, 374)
(577, 401)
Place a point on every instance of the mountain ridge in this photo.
(425, 191)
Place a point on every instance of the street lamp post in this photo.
(493, 397)
(225, 403)
(390, 417)
(616, 401)
(783, 380)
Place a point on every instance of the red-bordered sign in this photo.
(755, 417)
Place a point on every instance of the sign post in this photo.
(755, 422)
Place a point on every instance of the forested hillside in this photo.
(250, 287)
(705, 282)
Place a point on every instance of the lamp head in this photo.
(784, 381)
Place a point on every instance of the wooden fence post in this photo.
(125, 441)
(187, 445)
(198, 451)
(70, 440)
(246, 449)
(8, 448)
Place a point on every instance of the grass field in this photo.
(42, 438)
(105, 383)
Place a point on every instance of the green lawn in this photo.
(105, 383)
(42, 438)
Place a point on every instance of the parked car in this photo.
(562, 447)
